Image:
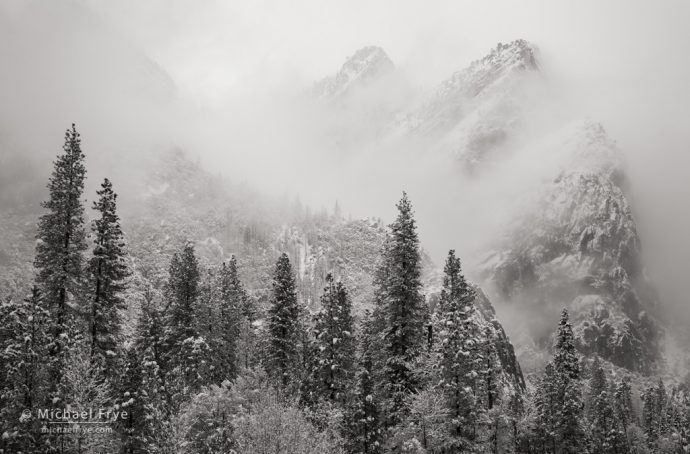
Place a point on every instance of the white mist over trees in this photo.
(227, 276)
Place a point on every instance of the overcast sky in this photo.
(215, 47)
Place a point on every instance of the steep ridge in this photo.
(477, 110)
(575, 244)
(365, 66)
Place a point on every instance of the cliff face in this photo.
(477, 110)
(575, 244)
(365, 66)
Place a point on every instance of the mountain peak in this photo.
(518, 54)
(367, 64)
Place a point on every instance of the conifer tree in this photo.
(649, 413)
(568, 392)
(143, 382)
(625, 413)
(335, 347)
(23, 376)
(283, 324)
(597, 385)
(60, 247)
(233, 301)
(571, 435)
(546, 405)
(654, 412)
(107, 270)
(185, 352)
(364, 418)
(401, 307)
(248, 341)
(460, 359)
(606, 437)
(565, 359)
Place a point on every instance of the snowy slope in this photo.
(574, 243)
(477, 110)
(365, 66)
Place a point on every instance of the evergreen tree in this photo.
(83, 388)
(605, 434)
(649, 413)
(248, 341)
(142, 389)
(233, 301)
(546, 405)
(23, 377)
(335, 347)
(654, 412)
(571, 436)
(625, 413)
(185, 352)
(401, 307)
(364, 420)
(108, 270)
(565, 359)
(60, 247)
(283, 324)
(460, 359)
(568, 392)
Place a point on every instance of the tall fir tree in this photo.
(546, 405)
(233, 301)
(364, 418)
(59, 251)
(625, 412)
(23, 376)
(185, 352)
(142, 387)
(604, 433)
(654, 412)
(284, 325)
(334, 339)
(568, 391)
(459, 354)
(401, 309)
(565, 359)
(107, 273)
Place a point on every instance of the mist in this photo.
(226, 82)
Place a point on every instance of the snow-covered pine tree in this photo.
(142, 388)
(335, 346)
(83, 388)
(401, 307)
(625, 412)
(545, 405)
(283, 324)
(569, 406)
(59, 250)
(571, 435)
(604, 433)
(597, 384)
(459, 354)
(649, 413)
(248, 346)
(233, 300)
(185, 352)
(131, 399)
(565, 359)
(655, 412)
(107, 274)
(23, 376)
(364, 420)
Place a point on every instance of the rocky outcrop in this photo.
(477, 110)
(578, 246)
